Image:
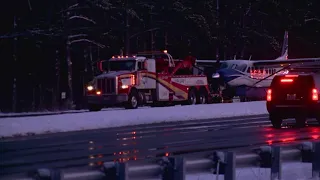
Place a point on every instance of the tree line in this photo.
(49, 49)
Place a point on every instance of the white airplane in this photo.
(255, 73)
(258, 73)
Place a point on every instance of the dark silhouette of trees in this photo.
(51, 47)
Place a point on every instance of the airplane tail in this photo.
(284, 52)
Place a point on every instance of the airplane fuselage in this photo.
(234, 77)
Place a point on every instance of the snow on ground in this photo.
(290, 171)
(39, 113)
(42, 113)
(115, 118)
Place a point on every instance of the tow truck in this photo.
(149, 78)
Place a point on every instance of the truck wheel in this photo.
(227, 92)
(301, 122)
(192, 97)
(217, 99)
(202, 98)
(133, 101)
(94, 107)
(275, 121)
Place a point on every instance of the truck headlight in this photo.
(89, 88)
(124, 86)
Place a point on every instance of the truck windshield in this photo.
(122, 65)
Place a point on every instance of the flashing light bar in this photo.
(113, 57)
(164, 51)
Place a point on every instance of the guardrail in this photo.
(176, 168)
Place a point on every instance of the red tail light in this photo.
(315, 96)
(291, 75)
(286, 80)
(269, 95)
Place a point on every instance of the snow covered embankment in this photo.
(47, 113)
(104, 119)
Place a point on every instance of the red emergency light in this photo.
(291, 75)
(286, 80)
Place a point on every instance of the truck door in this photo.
(143, 81)
(162, 91)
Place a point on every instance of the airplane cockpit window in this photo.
(249, 70)
(241, 67)
(223, 65)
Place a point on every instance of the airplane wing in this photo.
(206, 63)
(299, 61)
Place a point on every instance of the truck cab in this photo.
(119, 75)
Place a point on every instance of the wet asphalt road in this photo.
(91, 148)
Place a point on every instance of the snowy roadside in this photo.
(48, 113)
(115, 118)
(43, 113)
(290, 171)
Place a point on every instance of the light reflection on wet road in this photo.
(145, 141)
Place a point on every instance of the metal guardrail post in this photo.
(306, 149)
(265, 154)
(174, 168)
(230, 168)
(115, 170)
(110, 171)
(122, 171)
(316, 160)
(276, 163)
(218, 162)
(48, 174)
(270, 157)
